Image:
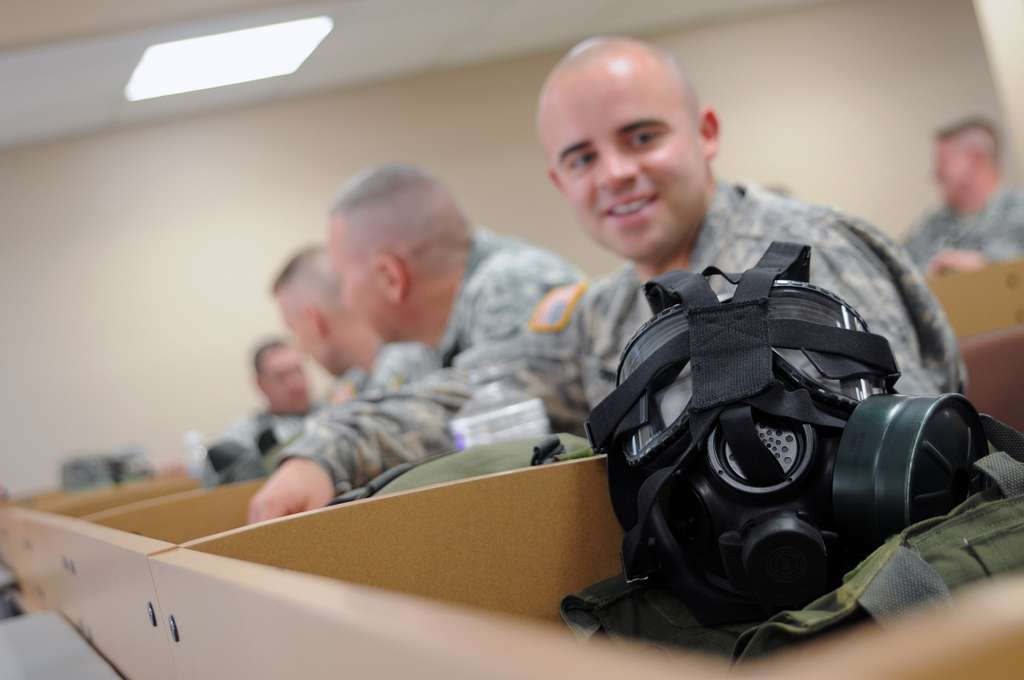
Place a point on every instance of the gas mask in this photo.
(756, 447)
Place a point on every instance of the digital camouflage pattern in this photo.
(401, 363)
(396, 364)
(240, 443)
(997, 232)
(504, 280)
(575, 368)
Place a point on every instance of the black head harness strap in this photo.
(730, 342)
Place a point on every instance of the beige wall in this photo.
(135, 264)
(1002, 26)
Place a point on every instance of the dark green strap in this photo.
(1006, 471)
(1004, 437)
(1005, 466)
(584, 624)
(905, 581)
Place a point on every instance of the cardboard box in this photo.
(185, 516)
(95, 569)
(31, 499)
(508, 545)
(89, 502)
(513, 543)
(982, 301)
(243, 620)
(99, 579)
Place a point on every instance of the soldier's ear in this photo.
(261, 383)
(316, 321)
(707, 126)
(392, 277)
(553, 176)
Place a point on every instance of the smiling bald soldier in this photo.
(630, 147)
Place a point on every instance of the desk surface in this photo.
(39, 646)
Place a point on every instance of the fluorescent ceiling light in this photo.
(226, 58)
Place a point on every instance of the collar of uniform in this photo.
(714, 229)
(483, 244)
(353, 378)
(717, 224)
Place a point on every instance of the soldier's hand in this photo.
(300, 484)
(956, 261)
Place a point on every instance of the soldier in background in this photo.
(309, 298)
(281, 378)
(979, 222)
(415, 268)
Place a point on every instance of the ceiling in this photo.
(64, 65)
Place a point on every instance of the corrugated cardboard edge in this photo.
(90, 502)
(987, 300)
(248, 620)
(513, 542)
(183, 517)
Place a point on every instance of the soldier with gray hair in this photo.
(979, 221)
(309, 297)
(414, 267)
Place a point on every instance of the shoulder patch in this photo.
(554, 311)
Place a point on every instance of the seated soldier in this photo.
(979, 222)
(308, 296)
(281, 379)
(630, 148)
(416, 269)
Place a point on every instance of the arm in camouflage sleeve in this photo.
(499, 300)
(920, 243)
(357, 440)
(1006, 240)
(402, 363)
(547, 365)
(877, 279)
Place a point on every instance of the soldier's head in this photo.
(402, 242)
(967, 163)
(281, 377)
(630, 147)
(310, 301)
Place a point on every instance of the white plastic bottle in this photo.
(195, 454)
(498, 411)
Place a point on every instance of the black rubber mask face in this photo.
(658, 414)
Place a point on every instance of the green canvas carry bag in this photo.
(473, 462)
(981, 538)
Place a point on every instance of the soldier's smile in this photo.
(631, 212)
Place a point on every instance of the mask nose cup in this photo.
(903, 459)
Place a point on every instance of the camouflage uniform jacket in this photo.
(503, 281)
(396, 364)
(997, 232)
(572, 355)
(245, 435)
